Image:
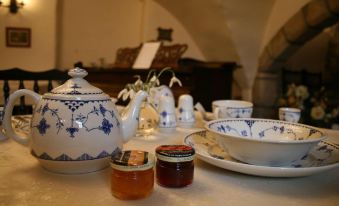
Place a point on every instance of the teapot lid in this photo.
(77, 88)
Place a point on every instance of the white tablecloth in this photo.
(24, 182)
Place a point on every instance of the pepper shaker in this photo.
(186, 116)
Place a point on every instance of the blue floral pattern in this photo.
(163, 114)
(181, 110)
(82, 157)
(43, 126)
(246, 129)
(105, 125)
(54, 112)
(167, 120)
(74, 87)
(2, 113)
(235, 112)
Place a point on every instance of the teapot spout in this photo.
(130, 116)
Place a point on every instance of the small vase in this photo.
(148, 120)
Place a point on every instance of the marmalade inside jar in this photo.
(175, 165)
(174, 174)
(132, 184)
(132, 174)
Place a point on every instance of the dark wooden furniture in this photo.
(167, 55)
(313, 81)
(21, 76)
(205, 81)
(125, 57)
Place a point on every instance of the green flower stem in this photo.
(149, 75)
(148, 84)
(164, 70)
(137, 76)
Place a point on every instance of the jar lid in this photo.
(76, 88)
(175, 153)
(132, 160)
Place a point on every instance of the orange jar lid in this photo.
(132, 160)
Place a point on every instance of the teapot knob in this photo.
(77, 73)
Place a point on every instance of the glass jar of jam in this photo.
(132, 174)
(175, 166)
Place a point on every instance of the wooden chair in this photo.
(20, 75)
(125, 57)
(169, 55)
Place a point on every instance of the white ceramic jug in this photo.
(75, 127)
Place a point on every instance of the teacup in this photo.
(289, 114)
(232, 109)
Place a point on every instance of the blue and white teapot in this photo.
(75, 127)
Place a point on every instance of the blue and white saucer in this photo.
(322, 158)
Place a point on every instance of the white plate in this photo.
(322, 158)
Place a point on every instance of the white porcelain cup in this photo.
(185, 115)
(289, 114)
(167, 116)
(232, 109)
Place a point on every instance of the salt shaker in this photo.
(167, 117)
(186, 116)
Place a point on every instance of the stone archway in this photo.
(302, 27)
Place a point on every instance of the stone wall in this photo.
(303, 26)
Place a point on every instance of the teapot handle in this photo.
(7, 122)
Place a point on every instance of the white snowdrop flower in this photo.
(155, 79)
(174, 79)
(138, 82)
(122, 92)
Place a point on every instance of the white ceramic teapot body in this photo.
(76, 126)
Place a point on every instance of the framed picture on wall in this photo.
(18, 37)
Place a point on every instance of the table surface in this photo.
(24, 182)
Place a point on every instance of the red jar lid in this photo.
(175, 153)
(132, 160)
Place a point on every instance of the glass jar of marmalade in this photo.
(175, 166)
(132, 174)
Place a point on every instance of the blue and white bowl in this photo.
(264, 141)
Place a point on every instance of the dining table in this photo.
(24, 182)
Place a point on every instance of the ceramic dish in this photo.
(323, 157)
(264, 142)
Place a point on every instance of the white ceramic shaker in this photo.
(185, 115)
(167, 117)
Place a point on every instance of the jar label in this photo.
(132, 160)
(175, 153)
(174, 159)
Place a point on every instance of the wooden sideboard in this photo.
(205, 81)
